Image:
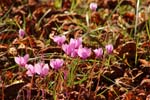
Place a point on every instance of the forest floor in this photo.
(123, 74)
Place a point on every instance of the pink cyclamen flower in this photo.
(98, 52)
(84, 52)
(109, 48)
(68, 49)
(74, 53)
(22, 61)
(30, 70)
(41, 69)
(56, 63)
(76, 43)
(59, 39)
(93, 6)
(72, 48)
(21, 33)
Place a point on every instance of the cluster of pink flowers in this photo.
(75, 48)
(39, 68)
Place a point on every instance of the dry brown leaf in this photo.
(129, 96)
(148, 97)
(19, 10)
(6, 3)
(96, 18)
(9, 36)
(66, 4)
(51, 49)
(32, 2)
(146, 44)
(144, 62)
(129, 17)
(128, 49)
(113, 3)
(21, 46)
(3, 47)
(25, 42)
(12, 51)
(124, 82)
(145, 66)
(12, 87)
(39, 44)
(145, 83)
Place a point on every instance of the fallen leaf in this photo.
(8, 75)
(32, 2)
(129, 17)
(128, 49)
(148, 97)
(13, 87)
(145, 83)
(96, 18)
(3, 47)
(145, 66)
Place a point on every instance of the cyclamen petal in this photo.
(26, 57)
(74, 53)
(30, 70)
(22, 61)
(68, 49)
(21, 33)
(109, 48)
(84, 52)
(93, 6)
(17, 60)
(38, 68)
(59, 39)
(56, 63)
(41, 69)
(98, 52)
(45, 70)
(76, 43)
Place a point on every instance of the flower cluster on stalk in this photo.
(39, 68)
(75, 48)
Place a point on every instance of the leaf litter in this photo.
(124, 75)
